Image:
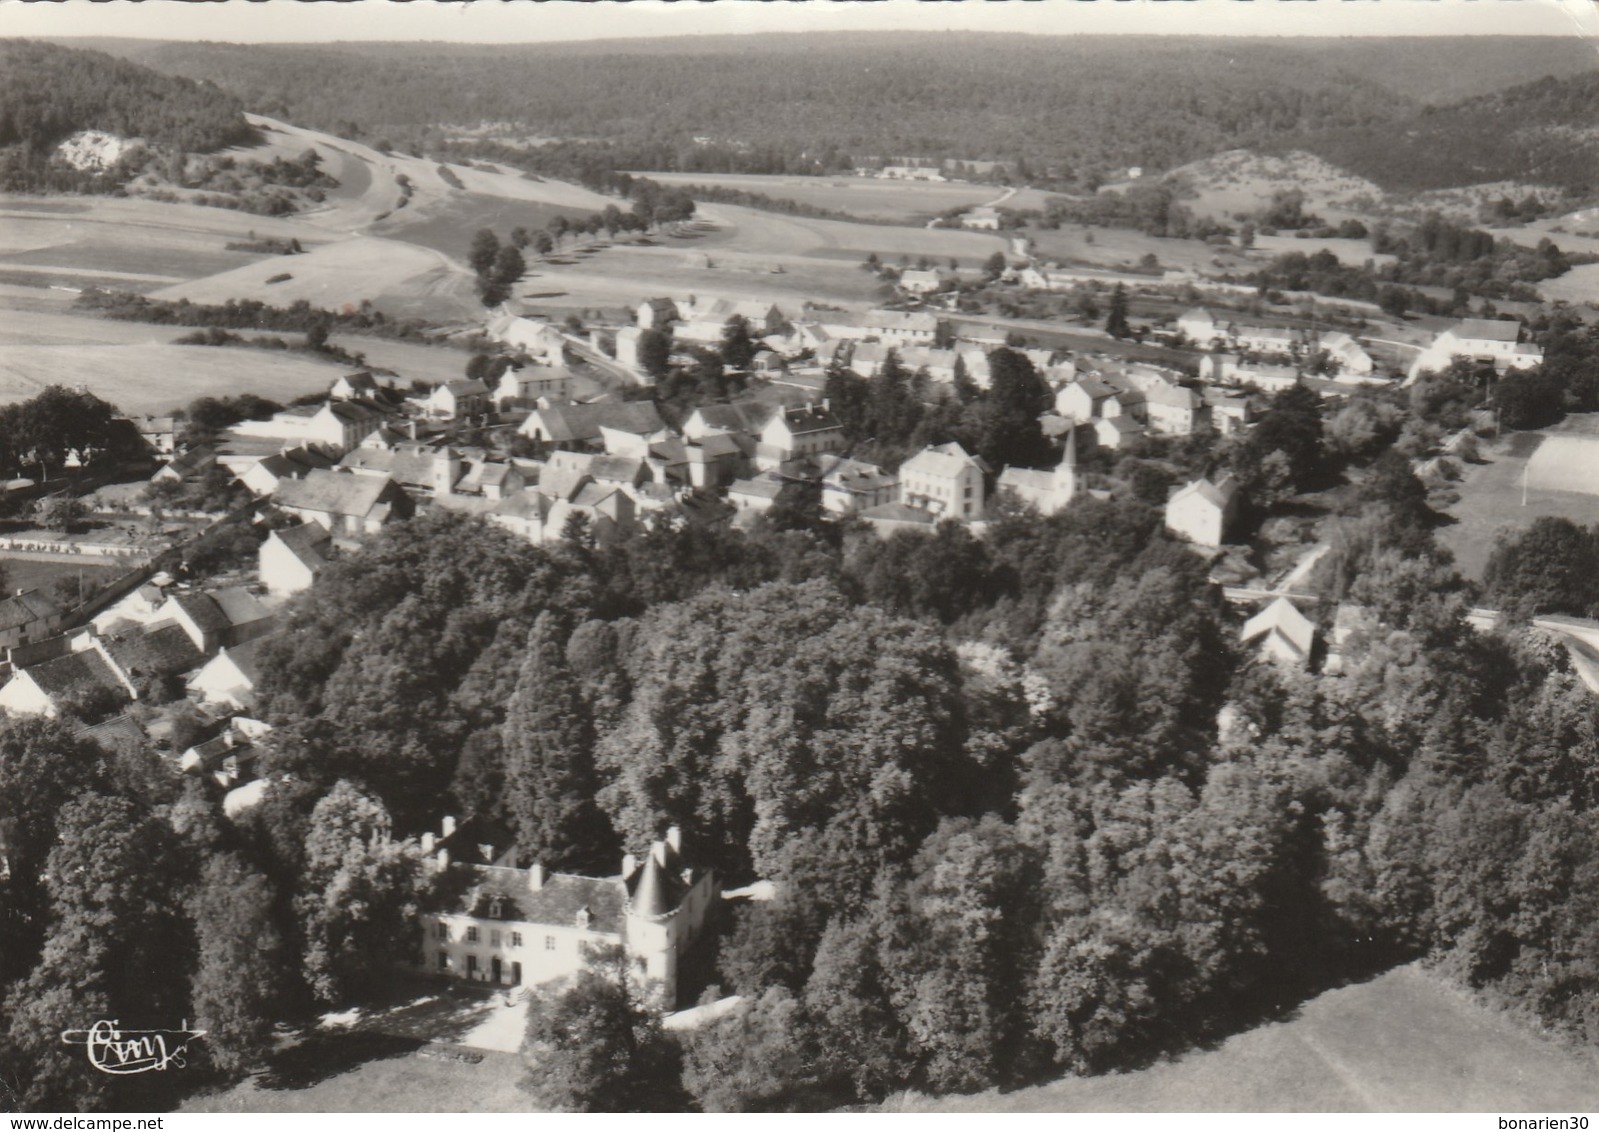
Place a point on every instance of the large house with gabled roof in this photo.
(508, 926)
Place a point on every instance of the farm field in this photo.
(870, 198)
(401, 278)
(1123, 248)
(1403, 1042)
(1491, 496)
(154, 377)
(1351, 252)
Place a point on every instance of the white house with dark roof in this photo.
(28, 615)
(1173, 410)
(902, 328)
(291, 558)
(793, 434)
(453, 400)
(342, 502)
(945, 481)
(1496, 340)
(527, 927)
(229, 678)
(1350, 355)
(1202, 512)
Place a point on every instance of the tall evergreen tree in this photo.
(549, 743)
(241, 976)
(1116, 321)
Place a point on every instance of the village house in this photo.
(530, 337)
(263, 476)
(335, 426)
(186, 466)
(945, 481)
(1118, 432)
(617, 427)
(1230, 411)
(216, 618)
(457, 400)
(28, 616)
(751, 497)
(1285, 635)
(852, 486)
(798, 432)
(291, 558)
(914, 281)
(1265, 340)
(902, 328)
(1200, 327)
(1227, 369)
(344, 503)
(76, 680)
(422, 470)
(160, 434)
(1088, 399)
(228, 680)
(548, 513)
(627, 340)
(529, 927)
(983, 218)
(1350, 355)
(1173, 410)
(657, 314)
(1496, 340)
(1203, 512)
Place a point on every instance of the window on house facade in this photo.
(444, 960)
(516, 939)
(549, 943)
(471, 935)
(494, 939)
(441, 930)
(471, 964)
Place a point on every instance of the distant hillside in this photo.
(1074, 107)
(1543, 132)
(49, 93)
(1070, 102)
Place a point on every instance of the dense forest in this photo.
(1070, 109)
(48, 93)
(1540, 132)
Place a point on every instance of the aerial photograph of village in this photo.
(894, 558)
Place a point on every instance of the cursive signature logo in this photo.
(112, 1049)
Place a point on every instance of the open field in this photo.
(38, 574)
(153, 377)
(1491, 497)
(402, 1082)
(1240, 181)
(400, 278)
(1351, 252)
(869, 198)
(743, 253)
(1403, 1042)
(1123, 248)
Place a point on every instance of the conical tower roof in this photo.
(653, 893)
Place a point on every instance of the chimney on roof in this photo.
(410, 425)
(674, 838)
(658, 852)
(535, 876)
(447, 824)
(629, 863)
(428, 841)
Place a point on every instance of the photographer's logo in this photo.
(112, 1049)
